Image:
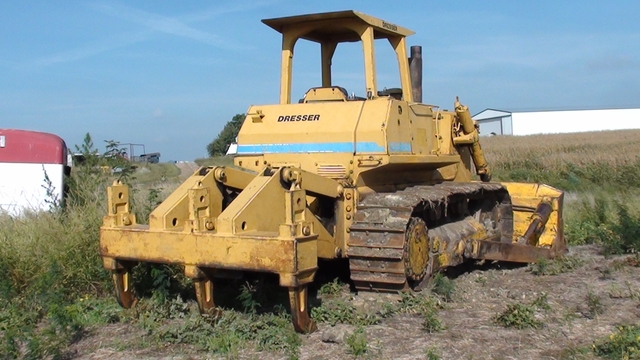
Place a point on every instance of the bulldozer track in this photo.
(452, 213)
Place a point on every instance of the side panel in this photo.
(399, 128)
(26, 158)
(326, 127)
(492, 127)
(371, 129)
(23, 186)
(421, 118)
(23, 146)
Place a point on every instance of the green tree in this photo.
(228, 135)
(87, 175)
(89, 155)
(115, 157)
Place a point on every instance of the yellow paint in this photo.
(525, 198)
(305, 165)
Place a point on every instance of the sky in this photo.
(170, 74)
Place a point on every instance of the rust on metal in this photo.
(538, 221)
(382, 232)
(491, 250)
(298, 300)
(381, 179)
(123, 291)
(415, 70)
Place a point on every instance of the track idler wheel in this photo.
(298, 299)
(122, 284)
(416, 249)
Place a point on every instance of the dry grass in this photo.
(215, 161)
(574, 162)
(469, 331)
(556, 150)
(54, 287)
(599, 172)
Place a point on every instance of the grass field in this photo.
(55, 298)
(599, 171)
(593, 161)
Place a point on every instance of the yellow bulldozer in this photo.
(381, 179)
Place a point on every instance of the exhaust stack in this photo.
(415, 69)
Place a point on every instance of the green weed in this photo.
(247, 298)
(522, 316)
(179, 322)
(342, 312)
(443, 286)
(50, 260)
(556, 266)
(425, 306)
(608, 222)
(357, 342)
(519, 316)
(594, 305)
(387, 310)
(433, 354)
(416, 304)
(541, 302)
(622, 344)
(575, 353)
(332, 288)
(431, 322)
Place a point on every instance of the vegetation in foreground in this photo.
(55, 290)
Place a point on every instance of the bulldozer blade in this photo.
(492, 250)
(526, 199)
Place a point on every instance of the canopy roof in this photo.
(325, 26)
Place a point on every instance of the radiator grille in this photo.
(332, 171)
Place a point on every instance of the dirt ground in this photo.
(481, 292)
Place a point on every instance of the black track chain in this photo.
(377, 235)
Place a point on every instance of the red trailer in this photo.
(26, 159)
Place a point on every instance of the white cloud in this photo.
(164, 24)
(99, 47)
(153, 24)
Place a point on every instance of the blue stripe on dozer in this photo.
(397, 147)
(332, 147)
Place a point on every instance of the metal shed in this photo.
(503, 122)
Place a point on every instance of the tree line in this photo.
(228, 135)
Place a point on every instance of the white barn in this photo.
(501, 122)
